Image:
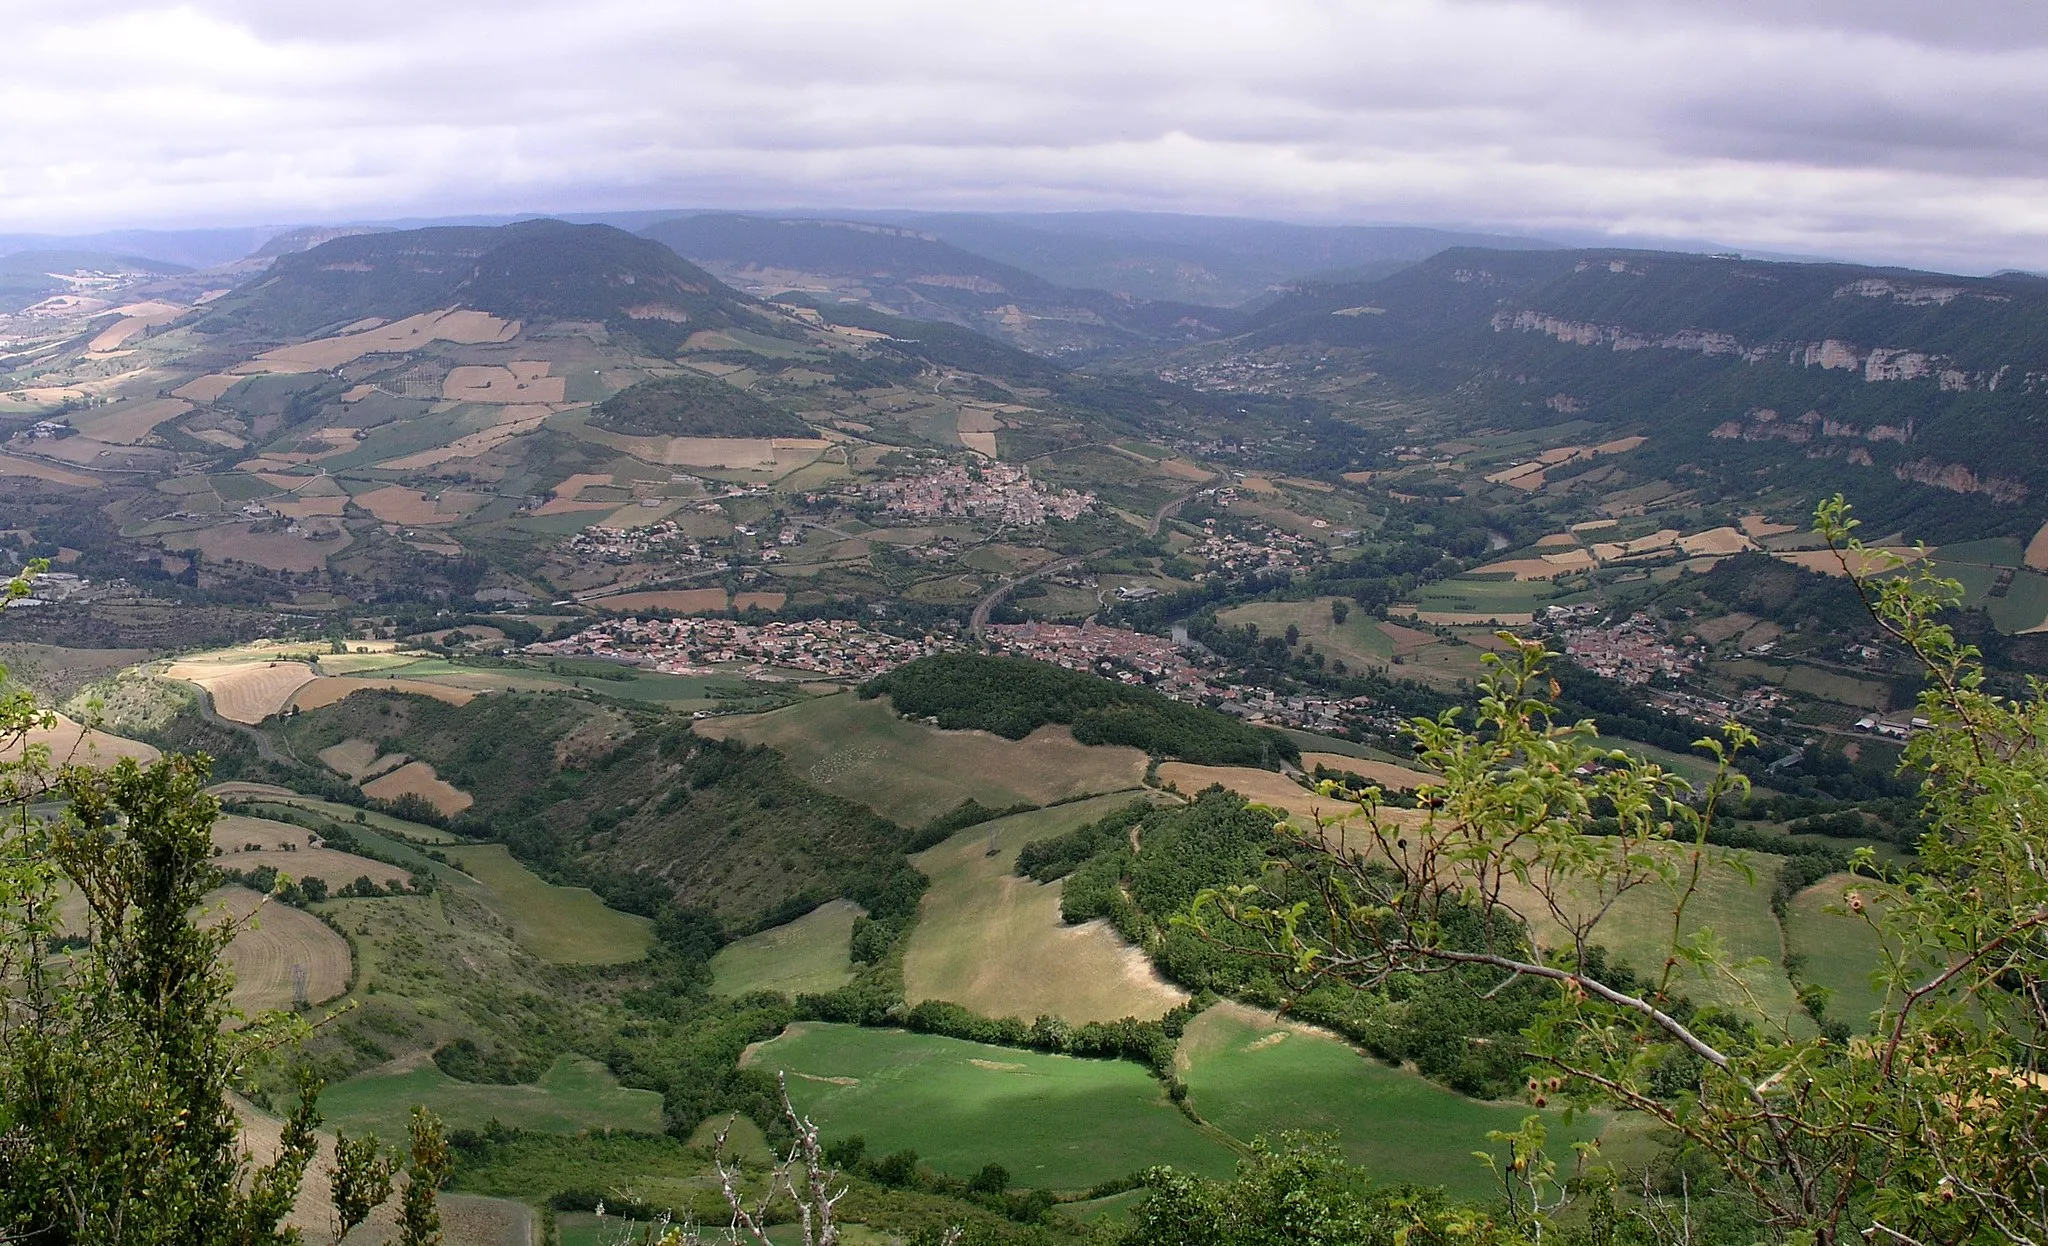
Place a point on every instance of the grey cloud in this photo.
(1871, 129)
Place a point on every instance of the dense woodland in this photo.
(1015, 696)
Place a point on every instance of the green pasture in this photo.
(575, 1094)
(1056, 1122)
(808, 954)
(2024, 605)
(1737, 909)
(1250, 1074)
(1464, 593)
(563, 925)
(1838, 950)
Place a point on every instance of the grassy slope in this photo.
(1398, 1125)
(910, 772)
(1054, 1121)
(1839, 950)
(994, 942)
(808, 954)
(576, 1093)
(561, 925)
(1738, 911)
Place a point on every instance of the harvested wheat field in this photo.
(125, 423)
(1385, 774)
(1757, 527)
(74, 742)
(335, 868)
(136, 318)
(417, 778)
(352, 757)
(1259, 786)
(513, 421)
(1716, 541)
(235, 832)
(1556, 540)
(518, 381)
(2036, 557)
(244, 691)
(311, 507)
(767, 601)
(400, 505)
(209, 388)
(1871, 561)
(263, 958)
(411, 333)
(681, 601)
(328, 689)
(279, 551)
(12, 466)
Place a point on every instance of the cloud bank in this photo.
(1877, 129)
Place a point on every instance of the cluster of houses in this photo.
(1002, 492)
(1634, 651)
(699, 646)
(1252, 547)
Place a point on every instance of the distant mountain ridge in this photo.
(1205, 260)
(1924, 378)
(913, 273)
(541, 269)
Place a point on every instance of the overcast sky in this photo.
(1894, 130)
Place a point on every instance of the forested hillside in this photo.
(1015, 696)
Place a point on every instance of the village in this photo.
(698, 646)
(1251, 547)
(1002, 492)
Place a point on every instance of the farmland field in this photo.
(1250, 1073)
(329, 689)
(577, 1093)
(75, 742)
(565, 925)
(417, 778)
(263, 957)
(1056, 1122)
(994, 942)
(246, 687)
(910, 772)
(808, 954)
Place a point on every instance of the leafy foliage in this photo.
(1015, 696)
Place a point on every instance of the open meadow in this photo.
(808, 954)
(565, 925)
(911, 772)
(1839, 950)
(994, 942)
(576, 1093)
(1251, 1073)
(1056, 1122)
